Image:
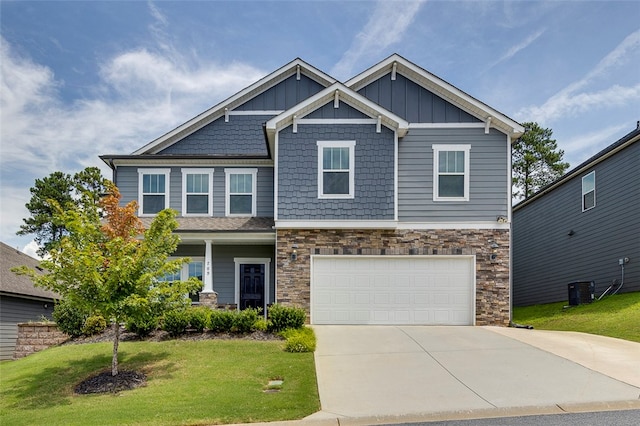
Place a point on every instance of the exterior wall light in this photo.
(501, 219)
(294, 253)
(494, 250)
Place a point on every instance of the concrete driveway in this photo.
(387, 371)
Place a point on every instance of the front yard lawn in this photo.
(188, 382)
(613, 316)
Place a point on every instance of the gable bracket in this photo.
(336, 100)
(379, 124)
(487, 125)
(295, 124)
(226, 115)
(298, 72)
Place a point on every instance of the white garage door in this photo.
(393, 290)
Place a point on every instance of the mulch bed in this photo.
(106, 383)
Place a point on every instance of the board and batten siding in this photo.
(546, 258)
(127, 182)
(283, 95)
(488, 183)
(14, 310)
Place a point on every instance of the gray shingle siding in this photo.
(298, 173)
(488, 183)
(242, 135)
(283, 95)
(546, 259)
(127, 182)
(413, 102)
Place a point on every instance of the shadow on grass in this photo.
(51, 387)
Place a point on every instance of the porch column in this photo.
(208, 297)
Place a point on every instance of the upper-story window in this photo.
(589, 191)
(153, 191)
(240, 192)
(197, 195)
(451, 172)
(336, 169)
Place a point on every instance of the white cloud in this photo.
(513, 50)
(31, 249)
(581, 147)
(142, 94)
(386, 26)
(576, 98)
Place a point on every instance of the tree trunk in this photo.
(116, 341)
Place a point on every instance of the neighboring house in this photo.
(20, 301)
(581, 228)
(385, 199)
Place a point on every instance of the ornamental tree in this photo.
(112, 267)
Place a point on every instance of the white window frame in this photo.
(436, 175)
(189, 171)
(592, 173)
(167, 190)
(336, 144)
(254, 185)
(183, 272)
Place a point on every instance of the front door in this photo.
(251, 286)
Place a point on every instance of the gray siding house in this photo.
(384, 199)
(20, 301)
(583, 227)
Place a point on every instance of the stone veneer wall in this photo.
(34, 337)
(492, 276)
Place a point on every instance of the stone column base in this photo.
(209, 299)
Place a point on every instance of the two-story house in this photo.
(384, 199)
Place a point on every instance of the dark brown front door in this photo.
(251, 286)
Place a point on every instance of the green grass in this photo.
(613, 316)
(188, 383)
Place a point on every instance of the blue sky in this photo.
(84, 78)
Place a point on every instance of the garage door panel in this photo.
(392, 290)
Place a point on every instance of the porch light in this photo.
(494, 250)
(294, 253)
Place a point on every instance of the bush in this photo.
(299, 339)
(69, 318)
(142, 325)
(283, 317)
(260, 325)
(245, 320)
(199, 317)
(221, 321)
(175, 322)
(93, 325)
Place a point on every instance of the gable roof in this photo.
(217, 111)
(617, 146)
(450, 93)
(19, 285)
(344, 94)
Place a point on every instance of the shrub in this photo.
(142, 325)
(221, 321)
(245, 320)
(199, 317)
(69, 319)
(283, 317)
(299, 339)
(260, 325)
(175, 322)
(93, 325)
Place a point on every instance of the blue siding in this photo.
(298, 173)
(283, 95)
(488, 183)
(546, 259)
(343, 111)
(242, 135)
(127, 182)
(412, 102)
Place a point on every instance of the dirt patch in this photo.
(106, 383)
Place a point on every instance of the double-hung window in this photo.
(336, 169)
(153, 191)
(451, 172)
(240, 192)
(589, 191)
(197, 186)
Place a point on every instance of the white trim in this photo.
(207, 279)
(336, 144)
(227, 194)
(478, 125)
(395, 175)
(257, 112)
(228, 238)
(509, 185)
(453, 225)
(337, 121)
(196, 162)
(335, 224)
(196, 171)
(437, 148)
(593, 172)
(267, 275)
(167, 188)
(275, 177)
